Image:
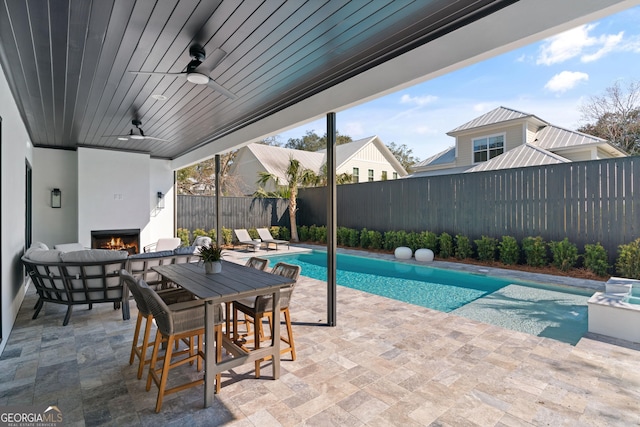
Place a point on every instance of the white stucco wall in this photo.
(15, 150)
(55, 169)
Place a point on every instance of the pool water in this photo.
(550, 311)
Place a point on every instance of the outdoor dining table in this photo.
(234, 282)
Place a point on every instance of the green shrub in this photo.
(428, 240)
(375, 239)
(183, 234)
(312, 232)
(321, 234)
(354, 238)
(509, 250)
(486, 248)
(463, 247)
(595, 259)
(535, 251)
(364, 239)
(227, 236)
(390, 240)
(199, 232)
(275, 232)
(401, 238)
(342, 236)
(412, 240)
(212, 234)
(303, 233)
(253, 233)
(628, 263)
(565, 254)
(445, 242)
(285, 234)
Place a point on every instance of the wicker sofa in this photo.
(92, 276)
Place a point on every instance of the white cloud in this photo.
(565, 80)
(579, 43)
(417, 100)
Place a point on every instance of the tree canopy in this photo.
(615, 116)
(404, 155)
(313, 142)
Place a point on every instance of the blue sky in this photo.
(550, 79)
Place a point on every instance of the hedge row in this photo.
(532, 251)
(187, 236)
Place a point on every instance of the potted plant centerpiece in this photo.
(211, 256)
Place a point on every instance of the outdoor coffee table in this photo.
(234, 282)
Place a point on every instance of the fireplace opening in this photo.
(117, 240)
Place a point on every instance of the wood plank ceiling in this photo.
(68, 61)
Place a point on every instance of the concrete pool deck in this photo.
(385, 363)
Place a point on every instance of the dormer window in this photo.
(487, 147)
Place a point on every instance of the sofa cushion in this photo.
(184, 250)
(41, 255)
(36, 246)
(158, 254)
(93, 255)
(69, 247)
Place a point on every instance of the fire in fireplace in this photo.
(116, 240)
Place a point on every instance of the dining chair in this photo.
(255, 309)
(176, 322)
(253, 262)
(169, 296)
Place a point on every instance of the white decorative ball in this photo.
(424, 255)
(403, 252)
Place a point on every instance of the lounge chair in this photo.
(267, 238)
(245, 239)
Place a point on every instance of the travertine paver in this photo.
(386, 363)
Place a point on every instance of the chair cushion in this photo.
(70, 247)
(41, 255)
(151, 255)
(184, 250)
(93, 255)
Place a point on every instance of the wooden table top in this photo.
(234, 282)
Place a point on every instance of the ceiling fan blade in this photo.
(213, 59)
(156, 139)
(215, 86)
(149, 73)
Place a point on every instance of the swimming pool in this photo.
(551, 311)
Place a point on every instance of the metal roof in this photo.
(522, 156)
(442, 158)
(553, 137)
(497, 115)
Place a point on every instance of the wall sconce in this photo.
(56, 198)
(160, 200)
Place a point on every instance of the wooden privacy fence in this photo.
(587, 202)
(236, 212)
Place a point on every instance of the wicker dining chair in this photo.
(169, 296)
(255, 309)
(176, 322)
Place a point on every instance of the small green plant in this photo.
(412, 240)
(390, 240)
(253, 233)
(486, 248)
(303, 233)
(321, 234)
(275, 232)
(227, 236)
(312, 232)
(595, 259)
(565, 254)
(199, 232)
(463, 247)
(535, 251)
(428, 240)
(285, 234)
(445, 242)
(509, 250)
(375, 239)
(342, 236)
(183, 234)
(628, 263)
(211, 253)
(212, 235)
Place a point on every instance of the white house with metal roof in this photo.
(366, 159)
(505, 138)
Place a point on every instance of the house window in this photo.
(487, 147)
(384, 175)
(356, 174)
(370, 175)
(395, 175)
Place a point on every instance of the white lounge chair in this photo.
(245, 239)
(164, 244)
(267, 238)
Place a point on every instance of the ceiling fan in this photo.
(137, 133)
(197, 70)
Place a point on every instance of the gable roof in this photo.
(522, 156)
(497, 115)
(275, 160)
(345, 152)
(553, 137)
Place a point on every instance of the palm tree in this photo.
(296, 176)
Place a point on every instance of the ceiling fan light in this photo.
(123, 138)
(197, 78)
(137, 137)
